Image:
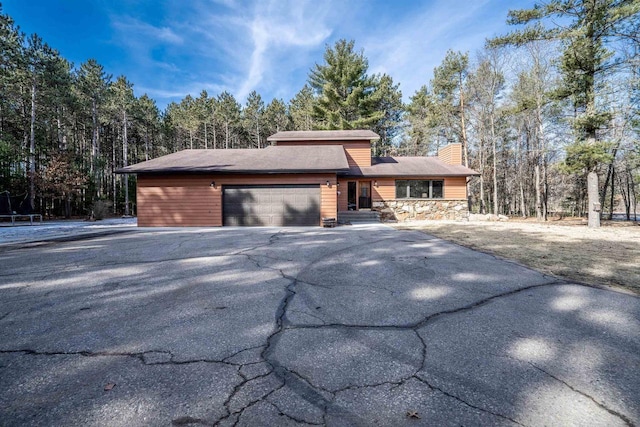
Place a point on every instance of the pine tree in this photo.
(122, 102)
(203, 112)
(346, 94)
(253, 113)
(388, 101)
(147, 116)
(229, 113)
(487, 83)
(422, 116)
(92, 83)
(449, 81)
(588, 28)
(37, 57)
(301, 109)
(276, 117)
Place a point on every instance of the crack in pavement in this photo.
(242, 351)
(426, 320)
(464, 402)
(601, 405)
(272, 239)
(243, 408)
(141, 356)
(291, 417)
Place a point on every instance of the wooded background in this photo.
(536, 110)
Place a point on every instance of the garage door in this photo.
(275, 205)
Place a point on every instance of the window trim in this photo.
(408, 189)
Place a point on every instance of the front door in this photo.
(364, 201)
(351, 196)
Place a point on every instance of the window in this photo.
(419, 189)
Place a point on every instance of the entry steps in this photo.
(350, 217)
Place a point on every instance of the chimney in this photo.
(451, 154)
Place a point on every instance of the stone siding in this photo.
(419, 209)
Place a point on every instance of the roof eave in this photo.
(349, 138)
(411, 175)
(175, 171)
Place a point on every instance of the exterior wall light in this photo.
(213, 184)
(375, 183)
(328, 183)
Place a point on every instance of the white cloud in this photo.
(281, 26)
(177, 92)
(136, 31)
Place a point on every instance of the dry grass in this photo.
(609, 255)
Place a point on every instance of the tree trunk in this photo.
(226, 135)
(626, 194)
(206, 144)
(593, 204)
(545, 189)
(67, 205)
(613, 180)
(258, 132)
(495, 167)
(603, 196)
(523, 206)
(32, 148)
(541, 199)
(538, 191)
(463, 129)
(146, 143)
(483, 206)
(634, 199)
(215, 136)
(113, 176)
(94, 146)
(125, 149)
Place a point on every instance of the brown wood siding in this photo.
(189, 200)
(386, 189)
(454, 188)
(358, 152)
(342, 197)
(451, 154)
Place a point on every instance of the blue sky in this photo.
(169, 49)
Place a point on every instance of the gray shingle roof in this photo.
(410, 166)
(296, 159)
(325, 135)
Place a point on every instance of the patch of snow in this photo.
(22, 232)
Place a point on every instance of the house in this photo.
(300, 179)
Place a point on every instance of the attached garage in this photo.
(271, 205)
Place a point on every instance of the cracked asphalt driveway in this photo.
(363, 325)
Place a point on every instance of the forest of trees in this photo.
(536, 111)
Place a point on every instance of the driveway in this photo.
(362, 325)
